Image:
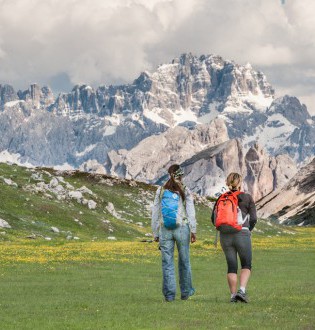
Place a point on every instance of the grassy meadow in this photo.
(96, 283)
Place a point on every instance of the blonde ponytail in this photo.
(234, 181)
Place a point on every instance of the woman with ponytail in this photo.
(237, 243)
(174, 222)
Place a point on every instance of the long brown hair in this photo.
(174, 183)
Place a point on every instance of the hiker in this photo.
(235, 233)
(173, 221)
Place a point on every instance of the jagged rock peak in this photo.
(291, 108)
(264, 173)
(37, 97)
(188, 82)
(7, 94)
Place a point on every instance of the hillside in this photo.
(43, 204)
(294, 203)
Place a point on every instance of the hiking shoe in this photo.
(241, 296)
(169, 299)
(191, 293)
(233, 299)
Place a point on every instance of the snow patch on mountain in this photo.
(273, 135)
(182, 115)
(13, 158)
(13, 103)
(154, 115)
(86, 150)
(109, 130)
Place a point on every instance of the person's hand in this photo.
(193, 238)
(156, 239)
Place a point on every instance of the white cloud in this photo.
(106, 41)
(270, 55)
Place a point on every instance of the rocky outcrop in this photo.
(149, 160)
(291, 108)
(294, 203)
(7, 94)
(206, 172)
(286, 128)
(259, 176)
(37, 97)
(264, 173)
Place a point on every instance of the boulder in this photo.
(91, 204)
(53, 183)
(4, 224)
(75, 194)
(55, 229)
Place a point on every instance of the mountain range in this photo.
(175, 114)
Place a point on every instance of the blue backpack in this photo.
(169, 207)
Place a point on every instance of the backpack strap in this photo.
(161, 192)
(236, 193)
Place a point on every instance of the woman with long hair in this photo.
(174, 222)
(236, 241)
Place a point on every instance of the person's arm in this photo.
(212, 215)
(252, 213)
(155, 220)
(191, 214)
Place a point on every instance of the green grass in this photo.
(29, 212)
(119, 295)
(82, 284)
(34, 213)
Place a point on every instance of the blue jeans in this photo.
(168, 237)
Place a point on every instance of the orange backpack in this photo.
(227, 215)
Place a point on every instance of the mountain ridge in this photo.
(87, 124)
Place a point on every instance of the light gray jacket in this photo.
(186, 212)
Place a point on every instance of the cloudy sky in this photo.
(65, 42)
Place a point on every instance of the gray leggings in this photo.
(237, 244)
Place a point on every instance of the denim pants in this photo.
(168, 238)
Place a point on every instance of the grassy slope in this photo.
(34, 213)
(29, 213)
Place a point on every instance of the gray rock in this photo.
(4, 224)
(85, 190)
(53, 183)
(92, 204)
(206, 172)
(55, 229)
(7, 94)
(294, 203)
(10, 182)
(75, 195)
(149, 159)
(111, 209)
